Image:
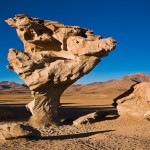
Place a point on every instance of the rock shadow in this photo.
(14, 112)
(72, 113)
(125, 94)
(20, 113)
(71, 136)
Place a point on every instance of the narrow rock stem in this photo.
(44, 109)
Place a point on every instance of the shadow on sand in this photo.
(71, 136)
(76, 112)
(21, 114)
(14, 112)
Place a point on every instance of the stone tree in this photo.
(55, 56)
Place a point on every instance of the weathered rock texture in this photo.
(137, 103)
(55, 56)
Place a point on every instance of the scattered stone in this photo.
(147, 115)
(13, 131)
(55, 56)
(136, 104)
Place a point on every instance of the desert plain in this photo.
(108, 133)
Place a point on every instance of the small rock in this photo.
(147, 115)
(90, 118)
(17, 131)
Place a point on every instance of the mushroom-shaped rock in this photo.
(137, 103)
(55, 56)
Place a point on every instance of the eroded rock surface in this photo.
(137, 103)
(55, 56)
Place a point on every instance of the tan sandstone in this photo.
(136, 104)
(55, 56)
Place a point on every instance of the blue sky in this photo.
(127, 21)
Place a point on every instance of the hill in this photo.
(121, 84)
(6, 85)
(93, 94)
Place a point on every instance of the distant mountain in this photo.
(6, 85)
(119, 85)
(141, 77)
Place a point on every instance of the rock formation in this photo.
(55, 56)
(137, 103)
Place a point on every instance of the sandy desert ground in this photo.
(109, 133)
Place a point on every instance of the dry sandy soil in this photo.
(121, 133)
(110, 133)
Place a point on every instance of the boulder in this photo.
(137, 103)
(55, 56)
(17, 131)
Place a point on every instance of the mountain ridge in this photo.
(125, 82)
